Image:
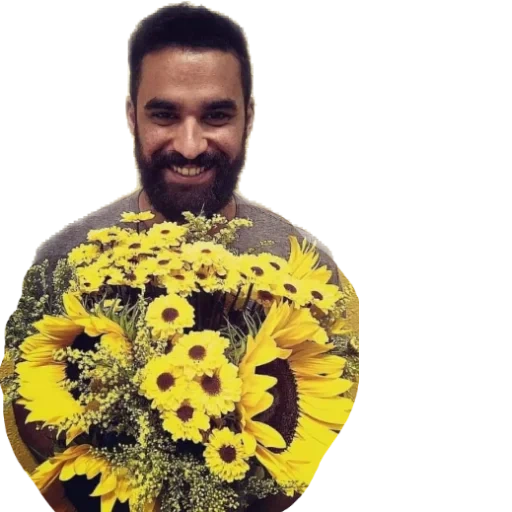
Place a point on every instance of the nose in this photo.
(189, 139)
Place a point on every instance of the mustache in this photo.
(174, 159)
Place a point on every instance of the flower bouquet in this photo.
(178, 375)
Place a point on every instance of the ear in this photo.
(130, 115)
(250, 116)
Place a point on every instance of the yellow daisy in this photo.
(291, 404)
(170, 233)
(226, 455)
(168, 315)
(205, 254)
(186, 422)
(90, 279)
(137, 217)
(107, 236)
(84, 254)
(323, 296)
(200, 353)
(182, 282)
(219, 392)
(256, 270)
(163, 383)
(293, 289)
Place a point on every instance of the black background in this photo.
(409, 108)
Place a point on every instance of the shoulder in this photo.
(74, 234)
(270, 226)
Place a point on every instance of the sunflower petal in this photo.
(323, 387)
(266, 435)
(107, 484)
(108, 501)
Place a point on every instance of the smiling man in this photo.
(191, 111)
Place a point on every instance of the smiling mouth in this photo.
(189, 171)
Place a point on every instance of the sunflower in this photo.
(303, 262)
(137, 217)
(219, 392)
(114, 485)
(168, 315)
(186, 422)
(42, 378)
(163, 383)
(226, 455)
(291, 404)
(200, 353)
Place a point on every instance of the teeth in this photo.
(188, 171)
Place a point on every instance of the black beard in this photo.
(172, 200)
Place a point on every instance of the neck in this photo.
(229, 211)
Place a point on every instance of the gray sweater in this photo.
(266, 226)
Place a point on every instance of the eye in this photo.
(218, 117)
(163, 116)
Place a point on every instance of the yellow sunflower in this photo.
(303, 262)
(200, 353)
(42, 378)
(226, 455)
(137, 217)
(219, 392)
(115, 483)
(291, 404)
(163, 383)
(168, 315)
(186, 422)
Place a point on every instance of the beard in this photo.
(171, 200)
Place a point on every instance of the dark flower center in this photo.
(275, 265)
(165, 231)
(170, 314)
(283, 414)
(185, 413)
(257, 271)
(290, 288)
(179, 277)
(135, 246)
(201, 275)
(211, 385)
(317, 295)
(163, 262)
(197, 352)
(265, 296)
(206, 251)
(165, 381)
(227, 454)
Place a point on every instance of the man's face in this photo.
(190, 129)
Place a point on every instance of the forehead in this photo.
(187, 76)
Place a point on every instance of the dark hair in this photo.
(185, 26)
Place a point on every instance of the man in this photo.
(190, 110)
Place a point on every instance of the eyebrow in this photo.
(161, 104)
